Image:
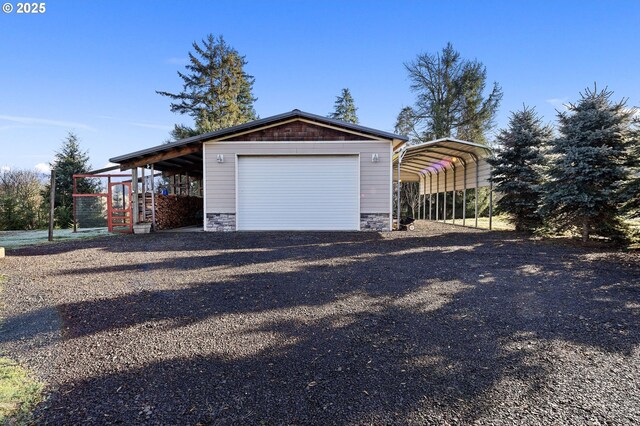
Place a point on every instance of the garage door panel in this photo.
(309, 192)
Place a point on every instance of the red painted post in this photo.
(75, 221)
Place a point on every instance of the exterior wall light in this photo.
(220, 158)
(375, 158)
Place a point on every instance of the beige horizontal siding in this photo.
(375, 181)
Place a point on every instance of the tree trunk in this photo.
(585, 230)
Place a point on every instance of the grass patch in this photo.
(17, 239)
(499, 223)
(19, 391)
(634, 227)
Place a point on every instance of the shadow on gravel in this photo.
(361, 329)
(184, 242)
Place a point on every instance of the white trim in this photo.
(359, 222)
(236, 192)
(299, 154)
(204, 188)
(293, 142)
(391, 188)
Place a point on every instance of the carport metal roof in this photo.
(436, 158)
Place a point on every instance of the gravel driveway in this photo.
(443, 325)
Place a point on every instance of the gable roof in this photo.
(256, 124)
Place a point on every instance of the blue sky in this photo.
(93, 66)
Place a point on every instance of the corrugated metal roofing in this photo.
(434, 156)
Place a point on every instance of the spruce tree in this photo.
(68, 161)
(517, 168)
(588, 166)
(631, 189)
(345, 108)
(451, 98)
(217, 92)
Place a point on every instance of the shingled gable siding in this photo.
(299, 131)
(375, 180)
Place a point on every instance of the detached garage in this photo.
(299, 171)
(293, 171)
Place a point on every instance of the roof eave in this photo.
(257, 124)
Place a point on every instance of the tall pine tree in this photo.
(451, 98)
(345, 108)
(69, 160)
(216, 91)
(517, 172)
(588, 166)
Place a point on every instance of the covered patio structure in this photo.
(444, 167)
(180, 163)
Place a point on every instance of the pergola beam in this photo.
(155, 158)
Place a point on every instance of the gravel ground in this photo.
(439, 326)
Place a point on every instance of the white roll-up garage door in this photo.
(306, 192)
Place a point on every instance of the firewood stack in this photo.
(175, 211)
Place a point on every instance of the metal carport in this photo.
(442, 166)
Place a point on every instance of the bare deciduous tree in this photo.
(21, 201)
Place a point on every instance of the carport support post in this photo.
(153, 199)
(420, 197)
(454, 195)
(444, 202)
(464, 195)
(430, 193)
(437, 196)
(424, 197)
(477, 189)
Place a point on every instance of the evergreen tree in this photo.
(344, 108)
(450, 96)
(588, 166)
(217, 92)
(631, 205)
(517, 172)
(68, 161)
(631, 189)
